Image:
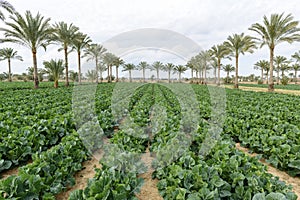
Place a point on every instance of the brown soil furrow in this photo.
(283, 176)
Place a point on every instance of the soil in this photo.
(81, 177)
(257, 89)
(13, 171)
(149, 189)
(283, 176)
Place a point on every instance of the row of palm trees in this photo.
(282, 64)
(142, 66)
(36, 31)
(279, 28)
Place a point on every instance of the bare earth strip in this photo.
(283, 176)
(81, 178)
(257, 89)
(149, 189)
(13, 171)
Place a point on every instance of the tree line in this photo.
(36, 31)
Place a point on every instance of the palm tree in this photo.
(101, 68)
(179, 69)
(65, 35)
(91, 75)
(296, 56)
(118, 63)
(274, 31)
(278, 61)
(261, 65)
(205, 60)
(32, 32)
(80, 42)
(73, 75)
(109, 60)
(129, 67)
(283, 68)
(219, 52)
(94, 52)
(169, 67)
(189, 65)
(228, 68)
(239, 44)
(8, 54)
(8, 7)
(143, 66)
(55, 69)
(157, 66)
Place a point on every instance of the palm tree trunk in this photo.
(35, 74)
(295, 76)
(144, 75)
(157, 73)
(56, 84)
(66, 66)
(9, 71)
(197, 75)
(202, 71)
(110, 73)
(271, 82)
(79, 68)
(219, 69)
(117, 73)
(169, 76)
(236, 80)
(97, 79)
(179, 77)
(267, 77)
(130, 80)
(205, 74)
(262, 75)
(101, 76)
(192, 73)
(227, 77)
(277, 75)
(215, 74)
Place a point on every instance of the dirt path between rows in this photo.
(81, 177)
(10, 172)
(149, 189)
(257, 89)
(283, 176)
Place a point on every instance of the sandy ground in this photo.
(294, 181)
(13, 171)
(149, 190)
(81, 178)
(257, 89)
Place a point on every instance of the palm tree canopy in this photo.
(80, 41)
(228, 68)
(219, 51)
(262, 64)
(295, 67)
(143, 65)
(94, 52)
(31, 31)
(279, 60)
(54, 68)
(118, 61)
(240, 44)
(296, 56)
(157, 65)
(64, 33)
(128, 67)
(169, 67)
(9, 53)
(7, 6)
(109, 59)
(179, 69)
(278, 29)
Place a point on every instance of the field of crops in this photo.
(49, 133)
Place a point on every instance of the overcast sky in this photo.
(205, 22)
